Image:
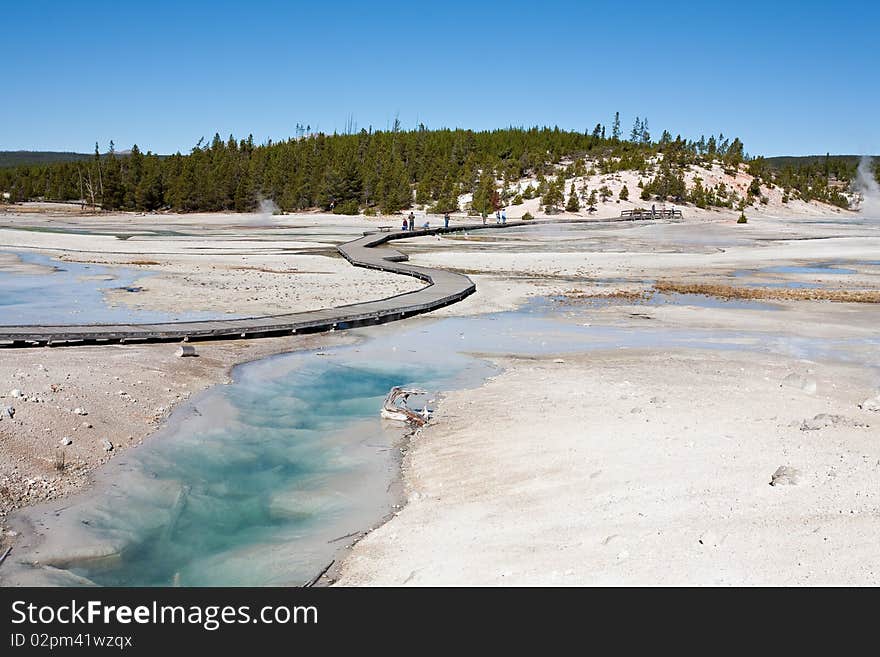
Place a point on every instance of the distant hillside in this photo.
(29, 158)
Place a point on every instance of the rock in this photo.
(185, 350)
(80, 411)
(9, 412)
(65, 441)
(106, 445)
(872, 404)
(16, 393)
(821, 421)
(824, 420)
(795, 380)
(785, 475)
(86, 425)
(656, 400)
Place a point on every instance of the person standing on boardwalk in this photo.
(497, 217)
(412, 221)
(446, 220)
(504, 216)
(484, 217)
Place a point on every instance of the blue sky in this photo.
(787, 77)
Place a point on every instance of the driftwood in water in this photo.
(394, 406)
(317, 577)
(5, 554)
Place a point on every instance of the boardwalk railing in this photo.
(650, 214)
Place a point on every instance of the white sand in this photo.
(637, 468)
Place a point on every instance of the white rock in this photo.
(80, 411)
(15, 393)
(66, 441)
(785, 475)
(872, 404)
(106, 445)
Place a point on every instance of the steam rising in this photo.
(268, 207)
(263, 215)
(867, 187)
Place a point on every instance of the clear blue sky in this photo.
(787, 77)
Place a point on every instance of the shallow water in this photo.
(253, 484)
(668, 298)
(825, 268)
(73, 293)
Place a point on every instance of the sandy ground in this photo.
(639, 468)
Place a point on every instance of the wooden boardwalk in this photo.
(650, 214)
(444, 288)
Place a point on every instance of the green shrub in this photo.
(527, 216)
(517, 200)
(348, 207)
(742, 218)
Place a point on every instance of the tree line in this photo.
(385, 171)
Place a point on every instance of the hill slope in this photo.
(30, 158)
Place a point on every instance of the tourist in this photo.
(405, 224)
(653, 210)
(504, 216)
(483, 214)
(497, 217)
(412, 221)
(426, 225)
(446, 220)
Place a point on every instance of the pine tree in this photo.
(636, 134)
(553, 197)
(573, 204)
(624, 193)
(698, 195)
(615, 127)
(483, 200)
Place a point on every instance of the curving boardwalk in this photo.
(444, 288)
